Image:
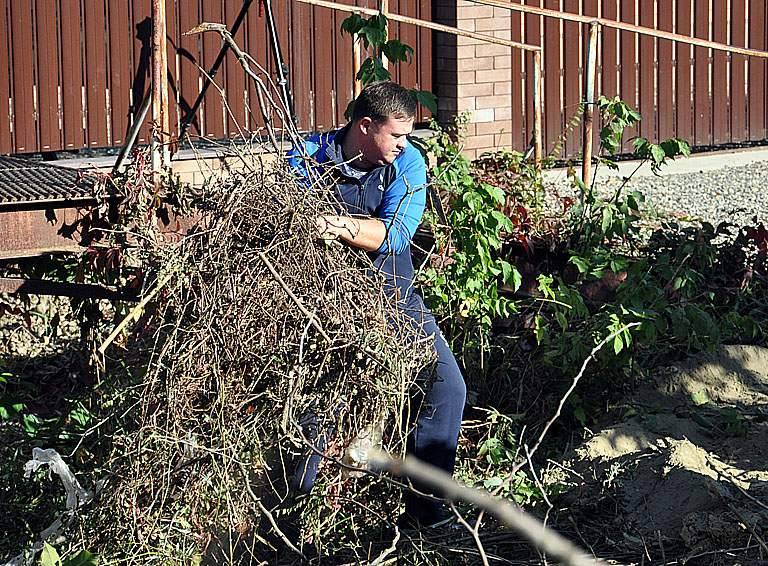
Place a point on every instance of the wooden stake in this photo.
(538, 103)
(589, 101)
(160, 113)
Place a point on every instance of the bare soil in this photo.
(682, 477)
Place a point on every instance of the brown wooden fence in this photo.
(73, 72)
(708, 97)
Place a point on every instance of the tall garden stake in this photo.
(589, 101)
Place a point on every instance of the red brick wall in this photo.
(475, 76)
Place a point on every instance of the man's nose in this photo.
(401, 143)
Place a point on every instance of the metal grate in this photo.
(29, 182)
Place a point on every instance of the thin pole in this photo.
(384, 9)
(589, 101)
(538, 101)
(160, 116)
(138, 120)
(185, 123)
(422, 23)
(623, 27)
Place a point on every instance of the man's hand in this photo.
(364, 233)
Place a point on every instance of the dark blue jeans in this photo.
(443, 393)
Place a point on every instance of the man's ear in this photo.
(365, 125)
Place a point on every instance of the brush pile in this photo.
(262, 342)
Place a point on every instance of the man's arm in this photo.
(365, 233)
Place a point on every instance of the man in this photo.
(381, 183)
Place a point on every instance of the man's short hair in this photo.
(379, 101)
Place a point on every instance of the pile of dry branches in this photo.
(258, 329)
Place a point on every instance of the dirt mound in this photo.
(688, 462)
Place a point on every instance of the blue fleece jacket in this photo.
(403, 185)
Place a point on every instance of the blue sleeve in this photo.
(402, 205)
(300, 159)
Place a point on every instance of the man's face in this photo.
(382, 143)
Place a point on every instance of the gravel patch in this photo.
(734, 194)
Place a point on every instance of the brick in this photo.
(446, 89)
(462, 40)
(466, 25)
(495, 127)
(477, 63)
(502, 13)
(502, 140)
(491, 24)
(465, 77)
(465, 103)
(489, 76)
(504, 112)
(465, 52)
(502, 62)
(484, 115)
(473, 12)
(447, 104)
(470, 154)
(494, 101)
(502, 87)
(502, 34)
(443, 64)
(475, 142)
(494, 49)
(481, 89)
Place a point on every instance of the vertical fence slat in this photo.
(96, 56)
(408, 35)
(6, 139)
(720, 107)
(424, 55)
(120, 69)
(738, 100)
(47, 62)
(214, 107)
(301, 69)
(572, 75)
(345, 86)
(23, 79)
(284, 31)
(322, 34)
(395, 31)
(172, 35)
(665, 114)
(258, 47)
(519, 58)
(609, 45)
(532, 37)
(72, 75)
(628, 69)
(647, 73)
(702, 101)
(757, 70)
(189, 56)
(141, 31)
(553, 68)
(683, 68)
(235, 76)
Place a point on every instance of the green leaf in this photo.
(353, 24)
(49, 556)
(397, 51)
(618, 344)
(657, 154)
(426, 99)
